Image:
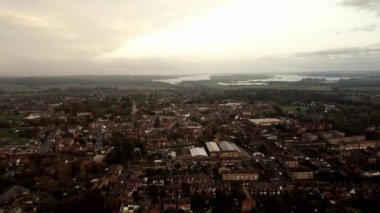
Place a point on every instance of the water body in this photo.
(282, 78)
(257, 82)
(294, 78)
(182, 79)
(243, 83)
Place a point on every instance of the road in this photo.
(99, 146)
(48, 142)
(118, 188)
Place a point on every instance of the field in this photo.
(11, 117)
(362, 89)
(365, 82)
(8, 134)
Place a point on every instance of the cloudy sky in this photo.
(71, 37)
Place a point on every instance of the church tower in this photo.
(134, 108)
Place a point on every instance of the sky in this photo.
(153, 37)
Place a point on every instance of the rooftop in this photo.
(198, 151)
(228, 146)
(265, 121)
(212, 147)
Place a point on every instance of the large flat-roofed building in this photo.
(212, 148)
(266, 121)
(240, 175)
(228, 149)
(358, 145)
(337, 134)
(352, 142)
(356, 138)
(198, 152)
(324, 135)
(309, 137)
(300, 173)
(289, 162)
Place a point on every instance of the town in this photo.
(191, 106)
(111, 150)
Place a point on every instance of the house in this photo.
(324, 135)
(355, 138)
(248, 204)
(130, 209)
(98, 159)
(353, 145)
(169, 203)
(310, 137)
(337, 134)
(350, 139)
(367, 144)
(300, 173)
(12, 193)
(289, 162)
(184, 204)
(240, 175)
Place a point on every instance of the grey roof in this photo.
(228, 146)
(212, 147)
(198, 151)
(12, 193)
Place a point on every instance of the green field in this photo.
(362, 89)
(11, 117)
(365, 82)
(8, 134)
(294, 108)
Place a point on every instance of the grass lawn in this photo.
(11, 117)
(362, 89)
(294, 108)
(8, 134)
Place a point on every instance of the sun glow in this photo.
(224, 28)
(247, 28)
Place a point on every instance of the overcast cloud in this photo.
(372, 5)
(52, 37)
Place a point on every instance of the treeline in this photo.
(124, 149)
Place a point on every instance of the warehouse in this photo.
(228, 149)
(212, 148)
(198, 152)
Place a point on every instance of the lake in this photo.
(186, 78)
(280, 78)
(257, 82)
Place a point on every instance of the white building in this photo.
(198, 151)
(266, 121)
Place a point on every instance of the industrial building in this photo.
(266, 121)
(198, 152)
(212, 148)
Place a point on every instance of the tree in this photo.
(75, 168)
(157, 123)
(64, 172)
(90, 202)
(263, 149)
(122, 152)
(199, 202)
(48, 184)
(154, 192)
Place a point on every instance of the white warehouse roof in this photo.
(266, 121)
(212, 147)
(198, 151)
